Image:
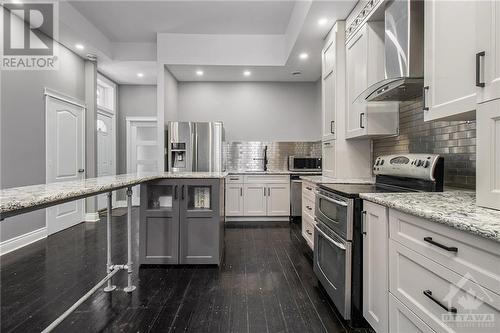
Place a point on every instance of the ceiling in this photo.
(125, 36)
(139, 21)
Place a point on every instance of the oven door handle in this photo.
(338, 202)
(328, 238)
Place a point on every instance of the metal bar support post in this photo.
(110, 287)
(129, 288)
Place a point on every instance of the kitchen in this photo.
(323, 166)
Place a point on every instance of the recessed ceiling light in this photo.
(303, 56)
(323, 21)
(79, 46)
(140, 74)
(247, 73)
(199, 73)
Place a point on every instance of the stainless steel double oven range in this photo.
(338, 237)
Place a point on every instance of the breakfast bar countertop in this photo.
(15, 199)
(456, 209)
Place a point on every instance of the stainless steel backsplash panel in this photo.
(454, 140)
(241, 155)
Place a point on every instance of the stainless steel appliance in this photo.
(338, 232)
(404, 53)
(302, 165)
(194, 146)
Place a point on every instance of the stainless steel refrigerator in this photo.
(194, 146)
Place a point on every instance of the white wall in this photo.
(255, 111)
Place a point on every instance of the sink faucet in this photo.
(264, 160)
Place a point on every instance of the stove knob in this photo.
(426, 164)
(382, 162)
(419, 163)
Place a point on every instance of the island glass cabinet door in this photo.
(200, 222)
(159, 225)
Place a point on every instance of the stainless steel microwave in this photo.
(301, 163)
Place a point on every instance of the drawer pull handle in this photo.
(308, 232)
(233, 178)
(309, 188)
(309, 207)
(444, 247)
(428, 293)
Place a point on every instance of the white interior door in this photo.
(105, 151)
(142, 151)
(65, 159)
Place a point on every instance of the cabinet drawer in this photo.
(474, 255)
(308, 190)
(238, 179)
(266, 179)
(308, 207)
(401, 319)
(445, 300)
(308, 231)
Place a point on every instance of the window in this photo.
(105, 94)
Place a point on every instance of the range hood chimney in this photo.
(404, 54)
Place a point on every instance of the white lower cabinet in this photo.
(258, 196)
(234, 199)
(422, 276)
(488, 154)
(375, 266)
(255, 200)
(402, 320)
(308, 206)
(278, 199)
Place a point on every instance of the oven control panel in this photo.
(419, 166)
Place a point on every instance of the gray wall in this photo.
(22, 120)
(171, 97)
(133, 101)
(454, 140)
(255, 111)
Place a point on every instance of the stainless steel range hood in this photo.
(404, 54)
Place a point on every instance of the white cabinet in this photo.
(278, 199)
(328, 152)
(328, 106)
(308, 205)
(333, 80)
(488, 50)
(401, 319)
(364, 67)
(255, 200)
(488, 154)
(257, 196)
(449, 60)
(375, 266)
(234, 199)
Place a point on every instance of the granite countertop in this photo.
(328, 180)
(33, 196)
(456, 209)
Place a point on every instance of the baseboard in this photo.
(257, 218)
(22, 240)
(92, 217)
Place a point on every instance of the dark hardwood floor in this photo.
(266, 284)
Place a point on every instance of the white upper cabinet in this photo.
(449, 60)
(365, 66)
(333, 80)
(488, 154)
(488, 50)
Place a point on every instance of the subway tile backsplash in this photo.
(248, 155)
(454, 140)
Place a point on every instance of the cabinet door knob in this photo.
(361, 115)
(81, 170)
